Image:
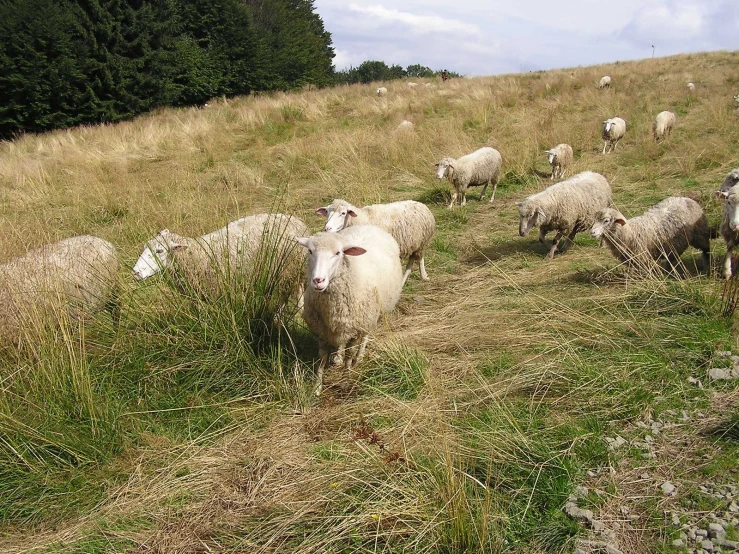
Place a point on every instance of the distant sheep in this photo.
(405, 125)
(691, 87)
(605, 82)
(409, 222)
(560, 158)
(205, 263)
(412, 84)
(663, 124)
(614, 130)
(352, 278)
(74, 277)
(664, 231)
(381, 91)
(729, 193)
(568, 207)
(481, 167)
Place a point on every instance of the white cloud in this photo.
(419, 24)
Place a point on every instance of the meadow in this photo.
(492, 394)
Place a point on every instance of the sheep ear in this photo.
(620, 220)
(302, 240)
(519, 204)
(354, 251)
(322, 211)
(352, 213)
(722, 194)
(541, 212)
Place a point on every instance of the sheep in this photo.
(409, 222)
(691, 87)
(352, 278)
(199, 264)
(71, 278)
(405, 126)
(605, 82)
(729, 193)
(613, 131)
(481, 167)
(381, 91)
(664, 231)
(412, 84)
(736, 99)
(560, 158)
(663, 124)
(567, 207)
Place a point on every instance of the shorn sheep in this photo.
(560, 158)
(381, 91)
(664, 231)
(568, 207)
(729, 193)
(605, 82)
(204, 264)
(352, 278)
(481, 167)
(663, 124)
(614, 130)
(72, 278)
(409, 222)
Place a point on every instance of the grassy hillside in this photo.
(492, 393)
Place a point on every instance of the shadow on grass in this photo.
(508, 248)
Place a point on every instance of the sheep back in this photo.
(477, 168)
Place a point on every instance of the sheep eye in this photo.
(159, 250)
(310, 251)
(338, 252)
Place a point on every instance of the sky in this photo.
(490, 37)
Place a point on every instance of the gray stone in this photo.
(723, 354)
(701, 533)
(581, 491)
(731, 545)
(667, 487)
(644, 476)
(597, 526)
(707, 545)
(716, 527)
(718, 374)
(676, 520)
(678, 543)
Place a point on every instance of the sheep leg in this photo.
(484, 188)
(408, 269)
(422, 267)
(555, 242)
(568, 241)
(615, 144)
(727, 260)
(464, 198)
(323, 355)
(454, 199)
(362, 348)
(492, 197)
(542, 237)
(605, 142)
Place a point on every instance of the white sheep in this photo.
(412, 84)
(567, 207)
(605, 82)
(481, 167)
(663, 124)
(729, 193)
(409, 222)
(736, 99)
(613, 131)
(205, 264)
(352, 278)
(381, 91)
(691, 87)
(405, 126)
(664, 231)
(560, 158)
(73, 278)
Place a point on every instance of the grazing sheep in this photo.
(405, 126)
(382, 91)
(664, 231)
(481, 167)
(74, 277)
(560, 158)
(567, 207)
(729, 193)
(605, 82)
(200, 264)
(412, 84)
(409, 222)
(691, 87)
(663, 124)
(613, 131)
(352, 278)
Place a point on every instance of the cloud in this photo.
(418, 24)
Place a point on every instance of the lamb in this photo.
(691, 87)
(613, 131)
(200, 264)
(729, 193)
(409, 222)
(567, 207)
(663, 124)
(664, 231)
(73, 278)
(560, 158)
(382, 91)
(605, 82)
(352, 278)
(481, 167)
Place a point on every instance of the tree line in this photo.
(374, 70)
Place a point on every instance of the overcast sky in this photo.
(489, 37)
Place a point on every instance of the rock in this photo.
(581, 491)
(715, 527)
(718, 374)
(723, 354)
(678, 543)
(597, 526)
(732, 545)
(644, 476)
(702, 533)
(676, 520)
(707, 545)
(667, 488)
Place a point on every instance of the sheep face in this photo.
(325, 254)
(607, 124)
(732, 179)
(551, 155)
(337, 217)
(605, 222)
(445, 168)
(731, 208)
(529, 216)
(154, 258)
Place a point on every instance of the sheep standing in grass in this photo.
(664, 231)
(405, 126)
(381, 91)
(729, 193)
(72, 278)
(560, 158)
(568, 207)
(409, 222)
(352, 278)
(481, 167)
(613, 131)
(605, 82)
(691, 87)
(207, 263)
(663, 124)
